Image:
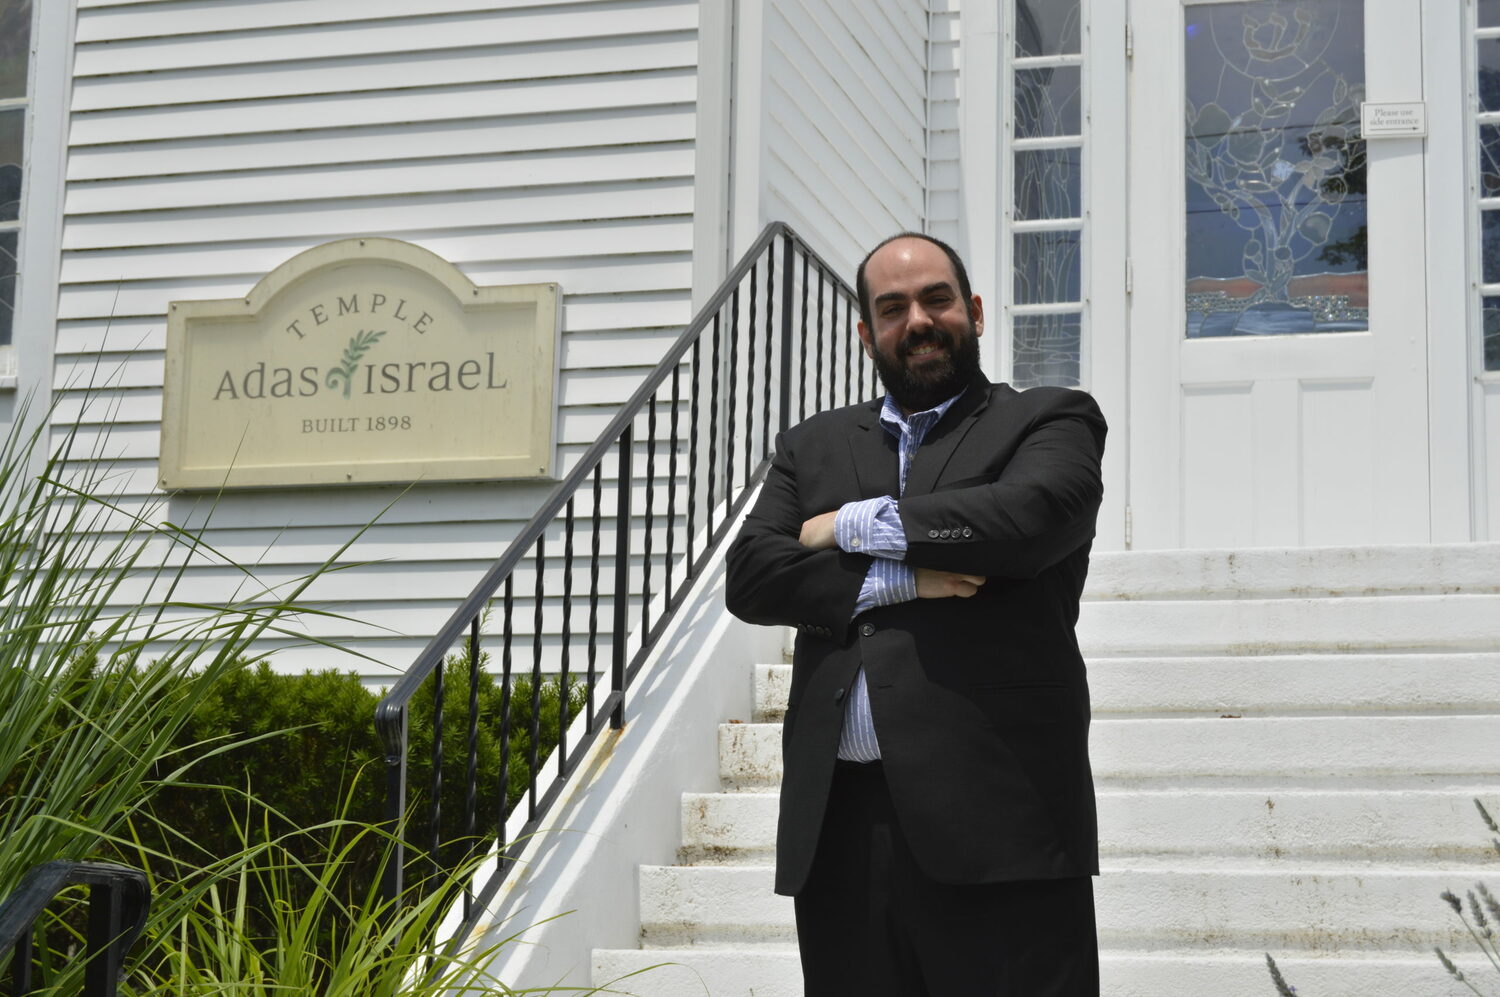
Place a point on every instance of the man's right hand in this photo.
(934, 584)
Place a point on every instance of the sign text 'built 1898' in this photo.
(361, 361)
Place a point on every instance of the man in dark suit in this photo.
(937, 820)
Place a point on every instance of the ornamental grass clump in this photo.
(103, 659)
(276, 917)
(115, 693)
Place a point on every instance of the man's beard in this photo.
(938, 381)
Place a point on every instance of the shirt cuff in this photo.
(871, 527)
(886, 583)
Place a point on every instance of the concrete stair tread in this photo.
(1202, 903)
(1320, 572)
(1290, 625)
(1273, 823)
(1239, 747)
(773, 970)
(1377, 682)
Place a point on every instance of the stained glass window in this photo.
(1047, 102)
(7, 281)
(1048, 346)
(1045, 216)
(15, 49)
(1276, 221)
(1044, 27)
(12, 123)
(1486, 96)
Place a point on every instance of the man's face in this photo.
(925, 337)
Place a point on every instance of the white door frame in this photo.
(1454, 418)
(1275, 371)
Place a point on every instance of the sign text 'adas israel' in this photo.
(361, 361)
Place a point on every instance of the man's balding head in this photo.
(862, 286)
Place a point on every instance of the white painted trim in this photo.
(1106, 327)
(609, 821)
(1474, 290)
(1449, 162)
(979, 161)
(39, 248)
(747, 150)
(711, 186)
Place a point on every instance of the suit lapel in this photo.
(876, 464)
(943, 440)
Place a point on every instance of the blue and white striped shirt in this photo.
(873, 527)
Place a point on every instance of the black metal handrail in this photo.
(733, 412)
(119, 900)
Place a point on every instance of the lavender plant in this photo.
(1483, 909)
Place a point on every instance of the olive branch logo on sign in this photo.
(358, 346)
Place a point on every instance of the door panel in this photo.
(1277, 393)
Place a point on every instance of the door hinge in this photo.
(1129, 41)
(1129, 528)
(1129, 275)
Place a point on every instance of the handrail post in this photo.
(118, 906)
(622, 578)
(788, 282)
(106, 958)
(393, 876)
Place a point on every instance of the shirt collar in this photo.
(894, 421)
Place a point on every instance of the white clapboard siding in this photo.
(944, 177)
(320, 221)
(430, 143)
(523, 141)
(209, 123)
(588, 248)
(497, 64)
(120, 19)
(431, 32)
(845, 111)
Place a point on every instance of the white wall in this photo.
(945, 198)
(523, 141)
(831, 126)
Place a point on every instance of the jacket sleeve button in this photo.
(932, 534)
(968, 532)
(946, 534)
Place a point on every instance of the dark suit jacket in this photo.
(981, 705)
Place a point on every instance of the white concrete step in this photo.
(1277, 824)
(774, 971)
(1317, 572)
(1302, 683)
(1289, 626)
(1201, 905)
(773, 684)
(1266, 748)
(1308, 683)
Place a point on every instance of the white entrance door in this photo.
(1277, 314)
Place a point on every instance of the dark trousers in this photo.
(871, 924)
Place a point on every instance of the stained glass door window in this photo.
(1045, 216)
(1277, 228)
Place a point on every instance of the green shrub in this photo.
(306, 743)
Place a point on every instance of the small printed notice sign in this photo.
(361, 361)
(1401, 119)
